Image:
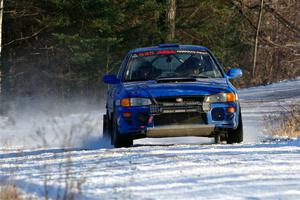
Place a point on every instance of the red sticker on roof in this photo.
(166, 52)
(161, 52)
(147, 53)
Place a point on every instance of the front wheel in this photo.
(106, 129)
(236, 135)
(118, 140)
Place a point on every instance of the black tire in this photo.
(106, 129)
(118, 140)
(217, 139)
(236, 135)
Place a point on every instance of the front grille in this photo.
(177, 104)
(179, 118)
(158, 109)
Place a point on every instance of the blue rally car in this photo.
(172, 90)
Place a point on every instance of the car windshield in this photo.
(154, 65)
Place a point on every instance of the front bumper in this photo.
(142, 120)
(180, 130)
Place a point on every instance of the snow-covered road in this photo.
(177, 168)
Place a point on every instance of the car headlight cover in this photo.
(127, 102)
(221, 97)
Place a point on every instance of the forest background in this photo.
(62, 48)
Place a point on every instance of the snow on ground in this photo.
(175, 168)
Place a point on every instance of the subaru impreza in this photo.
(172, 90)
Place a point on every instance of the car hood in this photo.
(155, 89)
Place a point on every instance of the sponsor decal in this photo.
(191, 52)
(147, 53)
(166, 52)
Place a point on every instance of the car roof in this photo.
(171, 47)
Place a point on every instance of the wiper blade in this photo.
(133, 80)
(198, 76)
(176, 79)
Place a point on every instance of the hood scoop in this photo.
(175, 80)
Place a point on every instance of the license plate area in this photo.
(179, 118)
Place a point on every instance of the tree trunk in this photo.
(171, 20)
(257, 37)
(1, 19)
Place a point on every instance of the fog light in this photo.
(126, 114)
(230, 109)
(142, 117)
(218, 114)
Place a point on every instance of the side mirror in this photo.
(111, 79)
(234, 73)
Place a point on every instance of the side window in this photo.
(134, 66)
(122, 67)
(137, 65)
(209, 67)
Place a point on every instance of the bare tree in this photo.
(1, 19)
(257, 36)
(171, 20)
(275, 25)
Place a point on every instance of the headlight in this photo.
(127, 102)
(221, 97)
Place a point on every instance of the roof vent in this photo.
(168, 45)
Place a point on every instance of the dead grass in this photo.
(10, 192)
(69, 179)
(286, 124)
